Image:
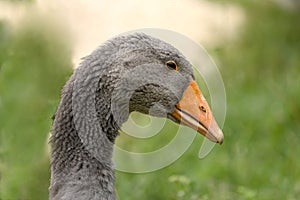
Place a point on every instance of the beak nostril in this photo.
(202, 108)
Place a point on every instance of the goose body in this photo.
(134, 72)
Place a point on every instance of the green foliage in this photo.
(35, 63)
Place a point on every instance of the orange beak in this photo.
(193, 111)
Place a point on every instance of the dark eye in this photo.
(172, 65)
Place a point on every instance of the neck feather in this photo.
(82, 139)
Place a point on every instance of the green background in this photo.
(258, 160)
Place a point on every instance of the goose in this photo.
(133, 72)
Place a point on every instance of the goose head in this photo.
(155, 78)
(134, 72)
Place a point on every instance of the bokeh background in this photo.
(256, 45)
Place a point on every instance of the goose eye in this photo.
(172, 65)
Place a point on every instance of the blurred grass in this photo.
(259, 159)
(35, 63)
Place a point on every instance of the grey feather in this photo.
(125, 74)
